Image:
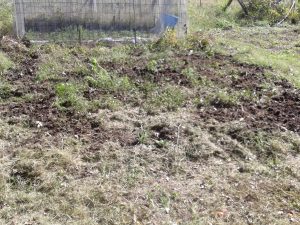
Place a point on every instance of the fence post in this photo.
(19, 18)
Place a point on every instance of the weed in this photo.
(167, 40)
(191, 75)
(58, 62)
(111, 103)
(165, 201)
(50, 71)
(161, 143)
(170, 98)
(152, 66)
(295, 16)
(147, 88)
(5, 63)
(5, 90)
(29, 97)
(296, 145)
(25, 171)
(223, 99)
(68, 97)
(257, 141)
(117, 54)
(199, 41)
(143, 136)
(277, 147)
(81, 70)
(107, 82)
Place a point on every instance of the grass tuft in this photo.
(169, 98)
(6, 18)
(5, 63)
(108, 82)
(68, 97)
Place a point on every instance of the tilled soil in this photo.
(279, 111)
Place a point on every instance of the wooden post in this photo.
(243, 7)
(242, 4)
(227, 5)
(19, 18)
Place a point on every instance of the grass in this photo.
(268, 47)
(68, 96)
(276, 51)
(211, 15)
(57, 62)
(169, 98)
(5, 63)
(6, 17)
(109, 83)
(5, 90)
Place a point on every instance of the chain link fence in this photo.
(85, 20)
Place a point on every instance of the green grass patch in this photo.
(211, 15)
(5, 63)
(6, 18)
(106, 81)
(5, 90)
(116, 54)
(285, 62)
(169, 99)
(69, 96)
(57, 61)
(225, 98)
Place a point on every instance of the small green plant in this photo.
(107, 82)
(161, 143)
(147, 88)
(165, 201)
(168, 40)
(223, 99)
(5, 90)
(25, 172)
(5, 63)
(50, 71)
(295, 16)
(58, 62)
(81, 70)
(68, 97)
(170, 98)
(143, 136)
(198, 40)
(296, 145)
(191, 75)
(152, 66)
(227, 98)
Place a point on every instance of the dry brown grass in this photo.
(195, 178)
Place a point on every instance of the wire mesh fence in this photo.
(84, 20)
